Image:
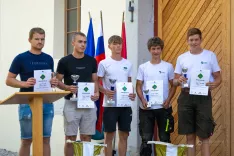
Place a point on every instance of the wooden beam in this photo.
(231, 32)
(160, 12)
(227, 69)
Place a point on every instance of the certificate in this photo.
(42, 81)
(123, 89)
(85, 90)
(198, 82)
(155, 92)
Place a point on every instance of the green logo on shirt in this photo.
(42, 76)
(86, 89)
(124, 88)
(200, 76)
(202, 62)
(125, 68)
(154, 86)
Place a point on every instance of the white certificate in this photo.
(155, 92)
(123, 89)
(42, 80)
(198, 82)
(85, 90)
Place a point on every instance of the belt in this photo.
(186, 90)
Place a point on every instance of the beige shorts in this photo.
(82, 118)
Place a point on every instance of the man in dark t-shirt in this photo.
(85, 66)
(24, 65)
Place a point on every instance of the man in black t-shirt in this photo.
(85, 66)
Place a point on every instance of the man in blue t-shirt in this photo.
(24, 65)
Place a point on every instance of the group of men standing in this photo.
(194, 111)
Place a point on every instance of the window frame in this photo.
(66, 32)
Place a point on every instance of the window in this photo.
(72, 22)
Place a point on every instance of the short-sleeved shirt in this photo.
(25, 63)
(206, 60)
(112, 69)
(84, 67)
(151, 72)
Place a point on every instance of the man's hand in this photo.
(95, 97)
(29, 83)
(109, 93)
(54, 82)
(144, 103)
(132, 96)
(166, 104)
(72, 88)
(212, 85)
(181, 79)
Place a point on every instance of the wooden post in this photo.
(37, 125)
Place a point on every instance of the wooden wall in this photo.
(174, 18)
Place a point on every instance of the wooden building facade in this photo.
(215, 18)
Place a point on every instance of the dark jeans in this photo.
(146, 126)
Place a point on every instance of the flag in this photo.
(87, 148)
(100, 55)
(124, 45)
(167, 149)
(90, 46)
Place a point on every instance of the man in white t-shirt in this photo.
(149, 72)
(119, 69)
(195, 111)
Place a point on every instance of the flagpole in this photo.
(123, 17)
(89, 15)
(102, 23)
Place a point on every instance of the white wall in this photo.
(138, 33)
(16, 19)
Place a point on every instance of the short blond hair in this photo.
(36, 30)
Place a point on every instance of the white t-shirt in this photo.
(206, 60)
(150, 72)
(112, 69)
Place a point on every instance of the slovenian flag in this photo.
(167, 149)
(90, 46)
(100, 55)
(87, 148)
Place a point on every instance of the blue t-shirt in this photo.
(25, 63)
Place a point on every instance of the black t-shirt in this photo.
(84, 67)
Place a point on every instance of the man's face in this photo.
(194, 41)
(115, 48)
(79, 43)
(37, 41)
(155, 51)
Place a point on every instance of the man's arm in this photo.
(96, 90)
(170, 95)
(95, 80)
(139, 85)
(13, 82)
(108, 93)
(217, 82)
(63, 86)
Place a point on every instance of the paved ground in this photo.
(4, 152)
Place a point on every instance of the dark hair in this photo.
(155, 41)
(35, 30)
(115, 39)
(194, 31)
(77, 34)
